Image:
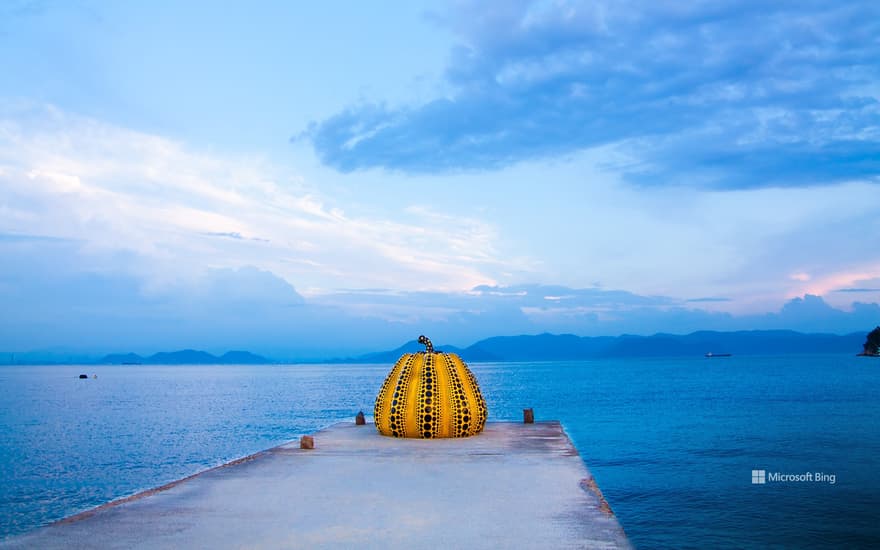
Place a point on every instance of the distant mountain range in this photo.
(556, 347)
(540, 347)
(186, 357)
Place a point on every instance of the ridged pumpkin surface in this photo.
(430, 394)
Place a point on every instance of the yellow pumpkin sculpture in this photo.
(430, 394)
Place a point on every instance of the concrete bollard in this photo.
(528, 416)
(307, 442)
(359, 420)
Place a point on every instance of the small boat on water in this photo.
(710, 354)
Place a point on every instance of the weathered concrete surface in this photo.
(513, 486)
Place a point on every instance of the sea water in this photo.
(691, 453)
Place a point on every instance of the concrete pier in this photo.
(513, 486)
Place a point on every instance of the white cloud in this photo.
(116, 189)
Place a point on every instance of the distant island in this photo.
(568, 347)
(539, 347)
(871, 347)
(185, 357)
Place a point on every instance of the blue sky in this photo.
(304, 180)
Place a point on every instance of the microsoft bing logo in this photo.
(761, 477)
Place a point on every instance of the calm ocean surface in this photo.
(672, 442)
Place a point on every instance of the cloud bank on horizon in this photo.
(95, 311)
(734, 95)
(519, 167)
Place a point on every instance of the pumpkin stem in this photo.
(429, 347)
